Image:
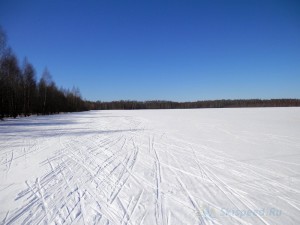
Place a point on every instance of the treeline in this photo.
(127, 105)
(22, 94)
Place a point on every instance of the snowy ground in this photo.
(204, 166)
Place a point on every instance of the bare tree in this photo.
(29, 88)
(45, 81)
(10, 77)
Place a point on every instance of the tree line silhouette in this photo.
(127, 105)
(21, 93)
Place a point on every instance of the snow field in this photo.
(201, 166)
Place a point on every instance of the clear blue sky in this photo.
(169, 50)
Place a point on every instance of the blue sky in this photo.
(169, 50)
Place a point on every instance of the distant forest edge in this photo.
(22, 95)
(127, 105)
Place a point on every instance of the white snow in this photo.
(201, 166)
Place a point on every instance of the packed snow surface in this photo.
(200, 166)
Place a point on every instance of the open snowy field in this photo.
(202, 166)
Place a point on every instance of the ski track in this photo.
(117, 167)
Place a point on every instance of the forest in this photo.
(21, 94)
(225, 103)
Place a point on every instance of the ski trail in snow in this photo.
(9, 162)
(159, 198)
(149, 167)
(43, 199)
(82, 206)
